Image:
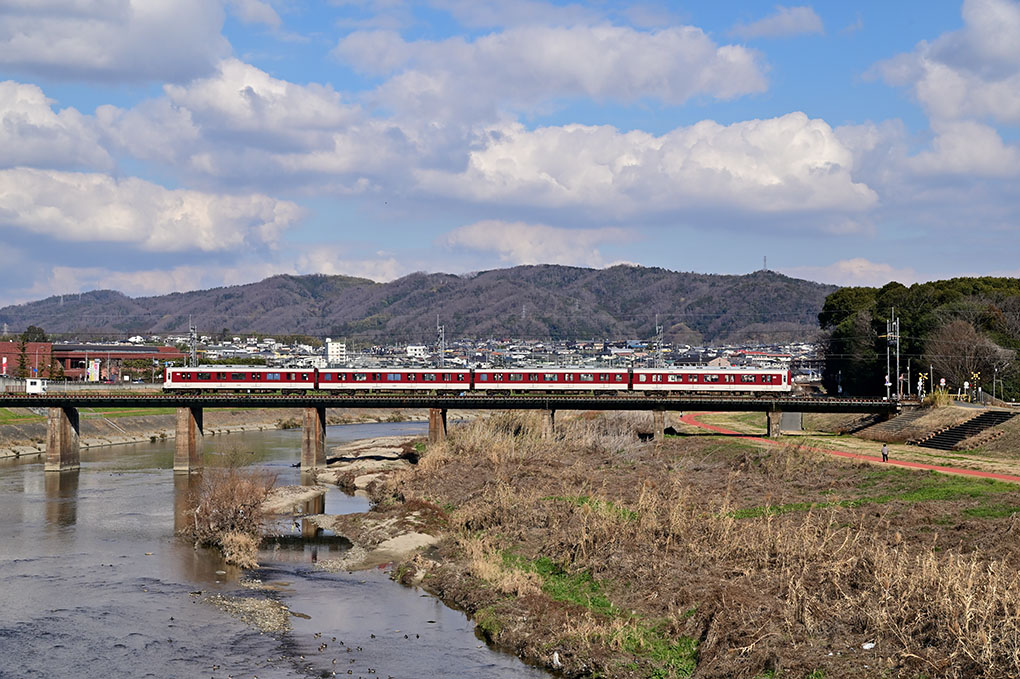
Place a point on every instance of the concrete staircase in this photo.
(891, 429)
(950, 438)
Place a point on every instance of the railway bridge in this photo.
(63, 424)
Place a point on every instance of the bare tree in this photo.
(958, 352)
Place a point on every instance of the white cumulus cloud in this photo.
(971, 72)
(522, 243)
(32, 133)
(784, 22)
(853, 272)
(112, 40)
(791, 163)
(91, 207)
(528, 66)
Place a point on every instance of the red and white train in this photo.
(478, 380)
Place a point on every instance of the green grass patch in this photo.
(8, 416)
(675, 658)
(127, 412)
(992, 511)
(934, 487)
(575, 588)
(604, 507)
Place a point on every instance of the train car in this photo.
(440, 380)
(227, 378)
(550, 380)
(712, 380)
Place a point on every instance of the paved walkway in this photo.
(692, 419)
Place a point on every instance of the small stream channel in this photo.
(93, 583)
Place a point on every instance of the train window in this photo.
(304, 376)
(256, 376)
(516, 377)
(203, 376)
(361, 377)
(460, 377)
(550, 377)
(603, 377)
(656, 378)
(533, 377)
(642, 378)
(410, 377)
(272, 377)
(747, 378)
(587, 377)
(711, 378)
(672, 378)
(185, 376)
(729, 378)
(499, 377)
(393, 377)
(482, 377)
(619, 378)
(237, 376)
(429, 377)
(767, 379)
(447, 377)
(327, 377)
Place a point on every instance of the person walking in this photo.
(885, 452)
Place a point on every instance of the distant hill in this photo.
(537, 302)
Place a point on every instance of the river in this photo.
(94, 585)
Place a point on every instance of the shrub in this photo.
(226, 511)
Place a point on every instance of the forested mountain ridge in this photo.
(535, 302)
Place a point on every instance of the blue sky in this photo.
(160, 145)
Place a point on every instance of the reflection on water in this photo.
(61, 497)
(94, 584)
(185, 488)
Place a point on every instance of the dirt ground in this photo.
(596, 554)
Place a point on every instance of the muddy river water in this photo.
(93, 583)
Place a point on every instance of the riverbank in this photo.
(23, 432)
(596, 554)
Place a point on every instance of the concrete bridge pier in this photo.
(188, 444)
(548, 424)
(774, 423)
(62, 430)
(658, 425)
(313, 439)
(437, 425)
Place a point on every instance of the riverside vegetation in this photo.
(226, 510)
(603, 556)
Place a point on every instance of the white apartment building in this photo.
(417, 351)
(336, 352)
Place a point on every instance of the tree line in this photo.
(961, 329)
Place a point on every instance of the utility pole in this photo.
(194, 343)
(441, 341)
(899, 382)
(658, 342)
(888, 332)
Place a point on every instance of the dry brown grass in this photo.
(226, 511)
(771, 592)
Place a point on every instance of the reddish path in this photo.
(692, 419)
